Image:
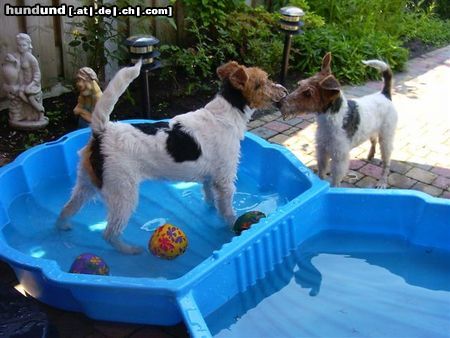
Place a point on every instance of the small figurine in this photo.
(88, 85)
(23, 86)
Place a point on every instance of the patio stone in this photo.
(400, 181)
(357, 164)
(353, 176)
(371, 170)
(264, 132)
(442, 182)
(255, 124)
(426, 188)
(279, 139)
(421, 175)
(441, 171)
(277, 126)
(400, 167)
(366, 182)
(294, 121)
(291, 131)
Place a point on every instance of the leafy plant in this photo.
(90, 35)
(93, 33)
(210, 14)
(249, 36)
(426, 27)
(347, 50)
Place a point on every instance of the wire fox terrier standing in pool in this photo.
(201, 146)
(344, 124)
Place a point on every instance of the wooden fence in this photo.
(51, 35)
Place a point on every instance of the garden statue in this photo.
(22, 83)
(90, 92)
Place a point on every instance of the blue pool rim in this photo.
(53, 273)
(185, 290)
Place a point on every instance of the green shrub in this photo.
(361, 16)
(439, 7)
(353, 30)
(348, 51)
(249, 36)
(426, 28)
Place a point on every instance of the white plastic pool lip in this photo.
(183, 289)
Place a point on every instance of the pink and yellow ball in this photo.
(168, 242)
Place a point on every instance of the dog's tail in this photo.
(387, 75)
(115, 89)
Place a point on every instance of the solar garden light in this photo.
(143, 47)
(290, 24)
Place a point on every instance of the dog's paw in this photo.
(381, 185)
(122, 246)
(128, 249)
(62, 224)
(134, 250)
(230, 220)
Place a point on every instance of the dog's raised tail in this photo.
(384, 68)
(115, 89)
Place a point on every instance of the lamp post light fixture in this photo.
(290, 24)
(143, 47)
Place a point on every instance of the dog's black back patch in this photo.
(97, 158)
(182, 146)
(151, 128)
(351, 119)
(233, 96)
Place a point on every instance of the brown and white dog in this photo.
(344, 124)
(201, 146)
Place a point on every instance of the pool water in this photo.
(32, 217)
(344, 284)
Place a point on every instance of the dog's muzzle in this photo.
(283, 92)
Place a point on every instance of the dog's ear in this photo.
(307, 92)
(239, 78)
(326, 63)
(330, 84)
(224, 71)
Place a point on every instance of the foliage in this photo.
(213, 13)
(424, 26)
(353, 30)
(249, 36)
(439, 7)
(311, 19)
(347, 50)
(193, 63)
(91, 35)
(253, 39)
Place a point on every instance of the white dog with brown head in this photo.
(344, 124)
(201, 146)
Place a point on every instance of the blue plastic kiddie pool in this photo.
(325, 262)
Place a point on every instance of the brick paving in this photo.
(421, 157)
(420, 161)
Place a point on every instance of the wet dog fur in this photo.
(201, 146)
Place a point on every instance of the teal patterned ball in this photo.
(246, 220)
